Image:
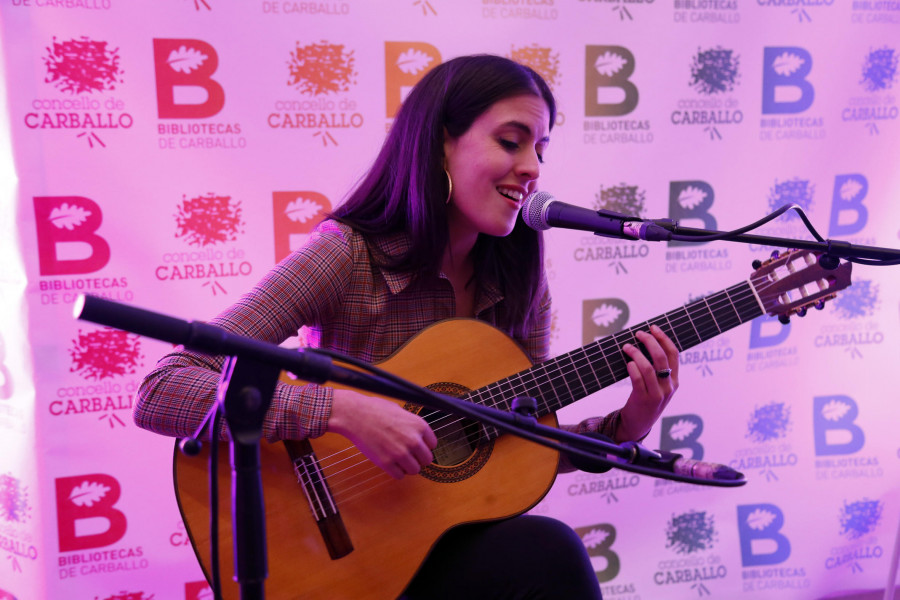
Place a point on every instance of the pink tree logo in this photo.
(82, 65)
(105, 353)
(208, 220)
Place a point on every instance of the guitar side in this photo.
(391, 524)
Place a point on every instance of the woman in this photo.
(432, 232)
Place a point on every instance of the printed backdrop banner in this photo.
(166, 154)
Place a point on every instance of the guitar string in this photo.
(678, 323)
(763, 283)
(337, 483)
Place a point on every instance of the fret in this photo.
(671, 333)
(605, 356)
(590, 380)
(684, 330)
(615, 359)
(702, 320)
(733, 318)
(558, 382)
(747, 304)
(573, 378)
(712, 316)
(687, 312)
(562, 375)
(543, 384)
(518, 387)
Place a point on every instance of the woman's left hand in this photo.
(653, 382)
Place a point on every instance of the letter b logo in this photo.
(847, 200)
(85, 514)
(67, 242)
(833, 426)
(691, 200)
(681, 432)
(778, 332)
(608, 91)
(405, 63)
(598, 540)
(762, 542)
(184, 87)
(785, 88)
(295, 215)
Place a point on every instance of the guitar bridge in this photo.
(321, 502)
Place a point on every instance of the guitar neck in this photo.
(565, 379)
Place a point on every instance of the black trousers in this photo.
(527, 557)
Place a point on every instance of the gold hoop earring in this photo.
(449, 186)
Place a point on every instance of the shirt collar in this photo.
(395, 244)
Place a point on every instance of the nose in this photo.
(529, 167)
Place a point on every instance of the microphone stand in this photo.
(245, 394)
(660, 230)
(248, 381)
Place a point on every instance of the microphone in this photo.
(661, 461)
(541, 211)
(698, 469)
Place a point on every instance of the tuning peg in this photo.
(801, 312)
(784, 319)
(756, 263)
(820, 304)
(775, 254)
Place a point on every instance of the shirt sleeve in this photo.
(605, 425)
(303, 289)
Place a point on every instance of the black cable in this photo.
(771, 216)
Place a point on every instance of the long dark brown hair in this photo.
(406, 187)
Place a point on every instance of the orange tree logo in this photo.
(541, 59)
(321, 68)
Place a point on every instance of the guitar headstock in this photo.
(792, 282)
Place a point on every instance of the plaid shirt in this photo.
(348, 305)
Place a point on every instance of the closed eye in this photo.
(513, 146)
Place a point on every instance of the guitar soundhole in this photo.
(462, 446)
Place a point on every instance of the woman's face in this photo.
(495, 165)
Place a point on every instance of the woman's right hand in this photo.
(398, 441)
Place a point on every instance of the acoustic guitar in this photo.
(340, 528)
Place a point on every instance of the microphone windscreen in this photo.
(533, 209)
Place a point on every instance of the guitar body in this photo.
(391, 524)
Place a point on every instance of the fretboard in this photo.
(569, 377)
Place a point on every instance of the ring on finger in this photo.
(663, 373)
